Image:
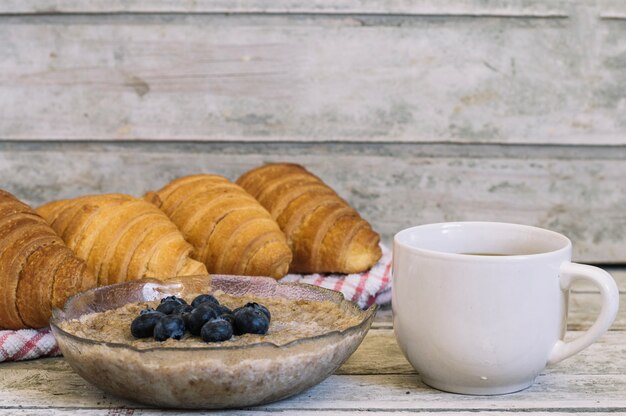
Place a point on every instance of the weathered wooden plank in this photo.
(370, 359)
(615, 10)
(50, 382)
(405, 7)
(585, 307)
(375, 377)
(343, 412)
(312, 78)
(384, 319)
(614, 15)
(580, 192)
(38, 388)
(390, 392)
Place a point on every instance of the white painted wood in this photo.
(615, 10)
(585, 307)
(368, 359)
(344, 412)
(614, 15)
(405, 7)
(579, 192)
(389, 392)
(333, 412)
(384, 318)
(328, 77)
(40, 388)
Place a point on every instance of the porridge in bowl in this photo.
(290, 320)
(311, 332)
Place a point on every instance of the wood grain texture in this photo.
(584, 308)
(578, 191)
(259, 76)
(51, 383)
(121, 411)
(509, 8)
(471, 7)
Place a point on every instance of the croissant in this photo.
(323, 231)
(37, 270)
(121, 237)
(230, 231)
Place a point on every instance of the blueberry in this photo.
(185, 316)
(168, 307)
(143, 325)
(228, 317)
(225, 313)
(204, 299)
(216, 330)
(173, 299)
(169, 326)
(147, 310)
(199, 316)
(259, 307)
(249, 320)
(181, 309)
(223, 310)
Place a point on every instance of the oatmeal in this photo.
(291, 320)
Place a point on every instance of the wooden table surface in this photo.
(376, 379)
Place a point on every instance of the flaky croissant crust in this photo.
(323, 231)
(230, 231)
(37, 270)
(121, 237)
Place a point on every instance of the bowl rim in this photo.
(367, 316)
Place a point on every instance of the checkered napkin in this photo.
(365, 289)
(26, 344)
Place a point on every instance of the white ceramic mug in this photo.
(488, 324)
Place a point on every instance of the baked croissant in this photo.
(37, 270)
(230, 231)
(323, 231)
(121, 237)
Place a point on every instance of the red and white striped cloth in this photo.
(365, 289)
(27, 344)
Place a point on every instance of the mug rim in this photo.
(565, 246)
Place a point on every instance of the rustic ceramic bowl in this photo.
(208, 377)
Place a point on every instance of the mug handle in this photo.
(569, 273)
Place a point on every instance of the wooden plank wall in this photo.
(415, 111)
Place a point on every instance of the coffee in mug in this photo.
(473, 318)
